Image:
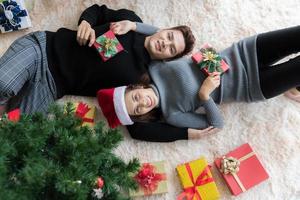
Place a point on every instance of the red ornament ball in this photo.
(100, 182)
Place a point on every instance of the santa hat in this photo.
(112, 103)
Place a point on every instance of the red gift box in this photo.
(241, 169)
(108, 45)
(199, 57)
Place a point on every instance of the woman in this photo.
(252, 75)
(171, 93)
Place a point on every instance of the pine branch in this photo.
(53, 157)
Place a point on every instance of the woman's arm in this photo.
(213, 114)
(212, 117)
(146, 28)
(124, 26)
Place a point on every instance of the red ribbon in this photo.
(202, 179)
(148, 179)
(81, 110)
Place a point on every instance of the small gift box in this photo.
(197, 181)
(85, 112)
(241, 169)
(108, 45)
(13, 16)
(209, 60)
(151, 179)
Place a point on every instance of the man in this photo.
(77, 68)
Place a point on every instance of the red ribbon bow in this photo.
(148, 179)
(202, 179)
(81, 110)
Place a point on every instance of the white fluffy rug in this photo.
(271, 127)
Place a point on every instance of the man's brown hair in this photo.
(189, 39)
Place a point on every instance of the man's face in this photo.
(165, 44)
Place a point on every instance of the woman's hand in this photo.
(199, 133)
(122, 27)
(85, 32)
(209, 85)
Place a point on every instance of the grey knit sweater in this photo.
(178, 84)
(179, 81)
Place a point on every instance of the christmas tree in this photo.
(53, 157)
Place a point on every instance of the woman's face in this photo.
(140, 101)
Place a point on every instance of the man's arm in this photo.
(98, 15)
(157, 132)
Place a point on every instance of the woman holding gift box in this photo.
(252, 76)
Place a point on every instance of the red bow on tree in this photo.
(14, 115)
(148, 179)
(81, 110)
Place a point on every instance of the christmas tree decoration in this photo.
(98, 193)
(241, 169)
(151, 179)
(209, 60)
(14, 115)
(108, 45)
(100, 182)
(13, 16)
(197, 181)
(53, 157)
(85, 112)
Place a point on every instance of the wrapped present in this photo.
(13, 16)
(86, 113)
(197, 181)
(209, 60)
(151, 179)
(108, 45)
(241, 169)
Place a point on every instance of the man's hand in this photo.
(209, 85)
(85, 32)
(122, 27)
(199, 133)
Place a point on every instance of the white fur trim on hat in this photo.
(120, 106)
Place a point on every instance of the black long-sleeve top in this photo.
(79, 70)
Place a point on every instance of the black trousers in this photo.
(271, 47)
